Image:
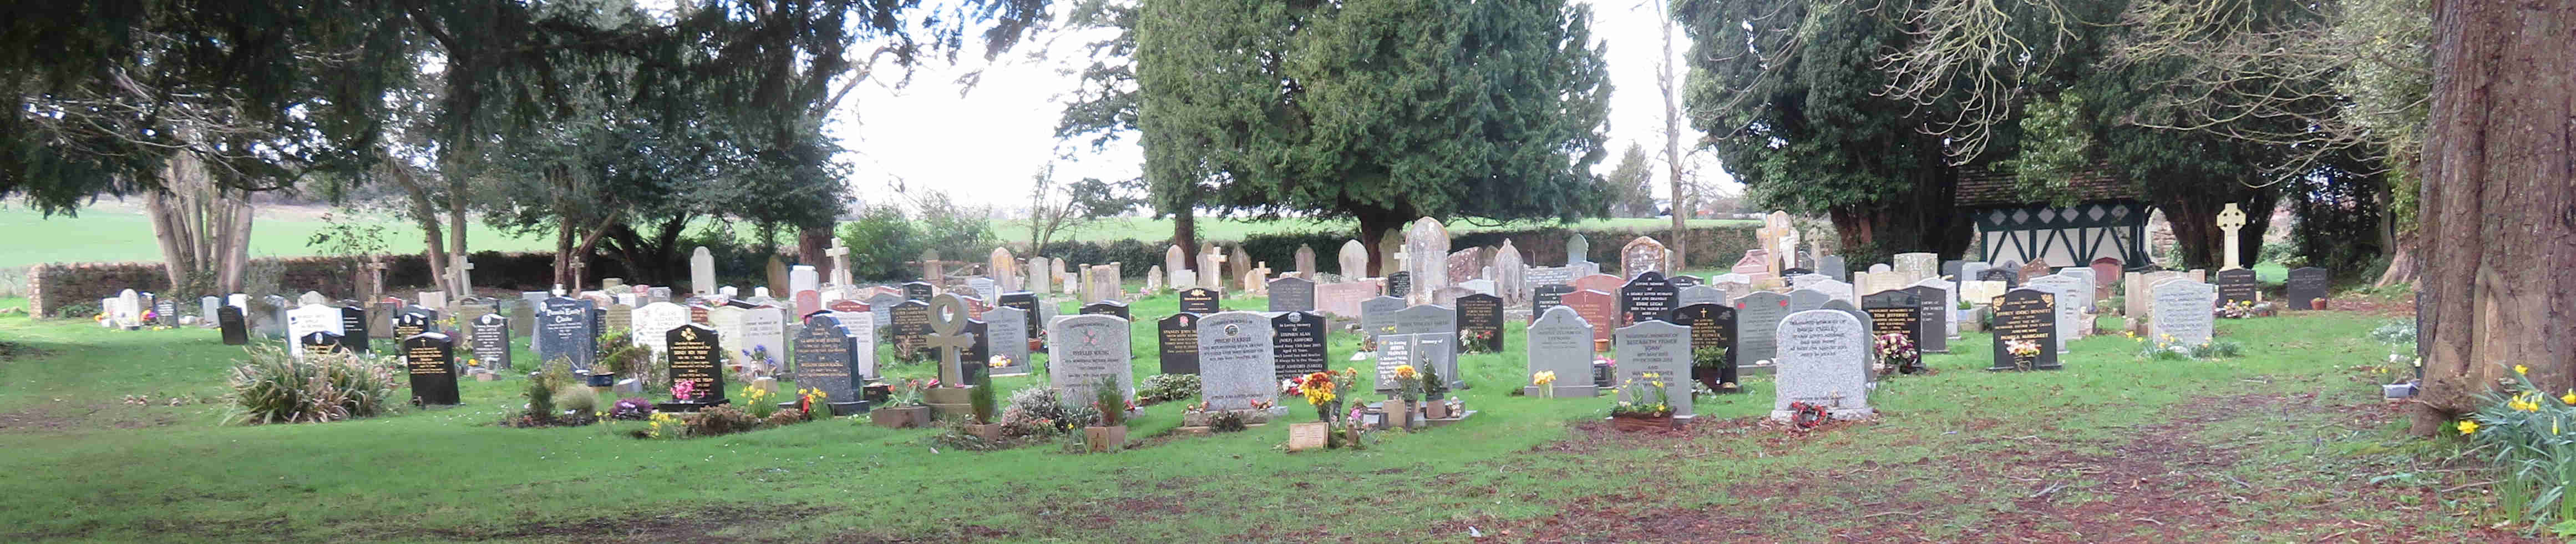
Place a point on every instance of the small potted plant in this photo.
(1435, 395)
(980, 407)
(1646, 405)
(904, 408)
(1710, 367)
(1898, 352)
(1408, 386)
(1111, 434)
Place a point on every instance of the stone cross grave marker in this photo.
(2229, 220)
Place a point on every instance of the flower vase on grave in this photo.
(1105, 439)
(1398, 413)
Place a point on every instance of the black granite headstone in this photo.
(1547, 296)
(1646, 297)
(697, 357)
(1399, 284)
(2026, 315)
(236, 330)
(911, 328)
(1296, 344)
(1179, 336)
(1199, 300)
(319, 342)
(1896, 312)
(2306, 285)
(1110, 307)
(1711, 326)
(1480, 322)
(492, 341)
(431, 359)
(917, 291)
(2237, 285)
(353, 329)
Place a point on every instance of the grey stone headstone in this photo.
(1006, 329)
(1807, 299)
(1832, 266)
(1656, 350)
(1377, 315)
(1822, 361)
(824, 353)
(1393, 350)
(1083, 348)
(1236, 365)
(1757, 316)
(882, 304)
(1577, 250)
(1292, 294)
(206, 309)
(1561, 342)
(1426, 319)
(2069, 304)
(2182, 310)
(1438, 352)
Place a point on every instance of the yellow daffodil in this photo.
(2519, 369)
(2523, 403)
(2570, 398)
(2468, 427)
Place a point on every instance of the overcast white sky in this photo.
(983, 147)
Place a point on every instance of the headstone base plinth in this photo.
(848, 408)
(1446, 421)
(690, 406)
(1564, 391)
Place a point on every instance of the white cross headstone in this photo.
(2229, 220)
(462, 275)
(840, 262)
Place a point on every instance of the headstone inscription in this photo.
(1547, 296)
(430, 359)
(412, 321)
(492, 341)
(1236, 367)
(824, 353)
(1178, 349)
(1598, 309)
(311, 318)
(1822, 363)
(319, 343)
(1757, 320)
(650, 322)
(1561, 342)
(564, 324)
(1654, 351)
(1480, 323)
(2306, 286)
(1896, 312)
(1297, 344)
(1292, 294)
(910, 329)
(2236, 286)
(1643, 255)
(1081, 349)
(2182, 312)
(353, 329)
(918, 290)
(1935, 317)
(1393, 351)
(1108, 307)
(1647, 296)
(2073, 299)
(2025, 316)
(1200, 300)
(1377, 315)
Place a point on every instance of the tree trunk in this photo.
(1185, 233)
(811, 242)
(1679, 240)
(201, 227)
(2402, 268)
(1374, 225)
(424, 213)
(564, 256)
(2499, 210)
(456, 233)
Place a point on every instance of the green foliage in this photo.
(722, 420)
(979, 401)
(2395, 332)
(1708, 357)
(274, 387)
(2054, 150)
(1381, 111)
(619, 353)
(1108, 397)
(886, 241)
(1630, 187)
(2537, 459)
(1167, 388)
(551, 376)
(578, 399)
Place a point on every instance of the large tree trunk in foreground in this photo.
(2499, 216)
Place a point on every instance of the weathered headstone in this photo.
(430, 359)
(1297, 344)
(1822, 362)
(702, 271)
(1292, 294)
(2306, 285)
(651, 321)
(1656, 351)
(2106, 272)
(1081, 349)
(1561, 342)
(1426, 246)
(1511, 277)
(1353, 260)
(2025, 315)
(1343, 299)
(1643, 255)
(2182, 311)
(1236, 362)
(1480, 322)
(1757, 318)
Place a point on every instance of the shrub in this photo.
(619, 353)
(979, 401)
(274, 387)
(717, 420)
(631, 408)
(1038, 410)
(2395, 332)
(540, 392)
(1167, 388)
(1111, 402)
(785, 417)
(577, 399)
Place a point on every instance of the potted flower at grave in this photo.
(1408, 386)
(1897, 351)
(980, 407)
(1545, 382)
(1708, 365)
(1111, 434)
(1435, 396)
(2023, 352)
(1646, 405)
(1603, 367)
(904, 407)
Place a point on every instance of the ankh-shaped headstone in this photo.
(947, 334)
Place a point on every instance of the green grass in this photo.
(1959, 453)
(109, 235)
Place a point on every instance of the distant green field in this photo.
(1154, 230)
(112, 235)
(105, 235)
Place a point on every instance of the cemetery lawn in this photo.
(2285, 443)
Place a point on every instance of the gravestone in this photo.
(1393, 351)
(1936, 309)
(311, 318)
(1915, 267)
(1107, 307)
(1600, 282)
(1399, 284)
(1832, 266)
(318, 343)
(1577, 250)
(2305, 286)
(430, 359)
(614, 317)
(1511, 277)
(1377, 315)
(1297, 345)
(1081, 349)
(1480, 323)
(1200, 300)
(1684, 281)
(235, 330)
(1896, 312)
(1822, 362)
(1547, 296)
(1550, 275)
(1006, 330)
(1426, 248)
(651, 321)
(1463, 265)
(1292, 294)
(206, 310)
(1656, 351)
(1178, 349)
(1807, 299)
(918, 290)
(1711, 326)
(697, 357)
(1236, 364)
(353, 329)
(2106, 271)
(984, 287)
(882, 304)
(764, 331)
(1597, 308)
(975, 359)
(702, 271)
(1755, 266)
(2071, 303)
(1561, 342)
(1027, 303)
(1438, 352)
(1647, 296)
(910, 329)
(1353, 260)
(165, 312)
(492, 341)
(825, 360)
(1343, 299)
(2182, 312)
(1425, 318)
(2025, 315)
(1643, 255)
(1699, 294)
(2010, 277)
(564, 332)
(1757, 319)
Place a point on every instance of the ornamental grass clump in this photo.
(275, 387)
(2533, 439)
